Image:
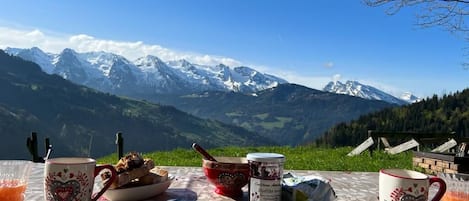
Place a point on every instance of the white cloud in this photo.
(309, 81)
(22, 38)
(329, 64)
(56, 42)
(336, 77)
(314, 82)
(395, 91)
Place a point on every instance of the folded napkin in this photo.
(306, 188)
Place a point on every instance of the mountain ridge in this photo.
(355, 88)
(113, 73)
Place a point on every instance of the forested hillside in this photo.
(449, 113)
(289, 114)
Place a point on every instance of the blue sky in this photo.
(305, 42)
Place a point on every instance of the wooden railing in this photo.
(383, 137)
(408, 140)
(422, 138)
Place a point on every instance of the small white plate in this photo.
(137, 193)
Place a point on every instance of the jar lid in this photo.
(265, 157)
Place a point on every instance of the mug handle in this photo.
(441, 190)
(107, 184)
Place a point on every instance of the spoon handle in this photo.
(202, 151)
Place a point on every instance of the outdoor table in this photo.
(190, 184)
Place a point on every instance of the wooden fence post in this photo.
(120, 145)
(31, 143)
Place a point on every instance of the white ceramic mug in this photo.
(72, 179)
(407, 185)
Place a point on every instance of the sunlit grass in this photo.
(298, 158)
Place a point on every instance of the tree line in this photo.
(446, 114)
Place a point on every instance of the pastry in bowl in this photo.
(137, 176)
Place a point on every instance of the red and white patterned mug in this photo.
(407, 185)
(72, 179)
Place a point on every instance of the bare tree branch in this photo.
(460, 1)
(448, 14)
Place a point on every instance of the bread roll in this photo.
(126, 177)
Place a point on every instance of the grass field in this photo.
(298, 158)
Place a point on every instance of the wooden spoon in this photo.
(202, 151)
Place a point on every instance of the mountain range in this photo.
(286, 114)
(355, 88)
(115, 74)
(148, 74)
(81, 121)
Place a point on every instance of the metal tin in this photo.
(266, 172)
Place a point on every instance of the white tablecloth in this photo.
(191, 184)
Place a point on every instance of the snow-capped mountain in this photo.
(354, 88)
(410, 98)
(36, 55)
(147, 75)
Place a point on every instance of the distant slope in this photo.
(75, 117)
(290, 114)
(449, 113)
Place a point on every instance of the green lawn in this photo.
(298, 158)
